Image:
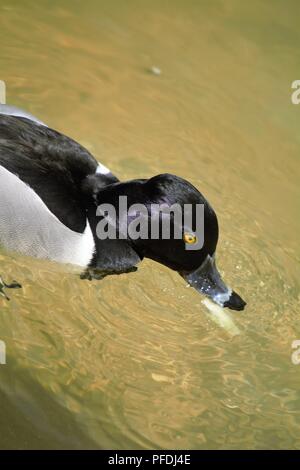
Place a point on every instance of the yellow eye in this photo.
(190, 238)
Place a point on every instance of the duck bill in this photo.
(207, 280)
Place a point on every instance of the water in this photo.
(135, 361)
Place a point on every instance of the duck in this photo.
(51, 188)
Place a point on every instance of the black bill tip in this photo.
(235, 302)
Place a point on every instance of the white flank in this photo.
(27, 226)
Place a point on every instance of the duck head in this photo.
(146, 227)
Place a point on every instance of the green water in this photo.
(135, 361)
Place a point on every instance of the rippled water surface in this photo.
(136, 361)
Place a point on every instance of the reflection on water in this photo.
(135, 361)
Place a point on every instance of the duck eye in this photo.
(190, 238)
